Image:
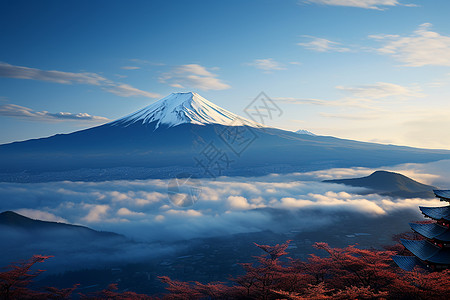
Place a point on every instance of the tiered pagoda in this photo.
(433, 251)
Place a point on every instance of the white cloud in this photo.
(422, 48)
(11, 71)
(126, 212)
(367, 4)
(188, 213)
(159, 218)
(293, 100)
(17, 111)
(322, 45)
(381, 90)
(362, 95)
(40, 215)
(239, 202)
(130, 68)
(120, 89)
(125, 90)
(193, 75)
(266, 64)
(96, 212)
(146, 62)
(136, 198)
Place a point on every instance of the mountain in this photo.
(390, 184)
(72, 246)
(10, 220)
(303, 131)
(185, 133)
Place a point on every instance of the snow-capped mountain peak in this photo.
(182, 108)
(304, 131)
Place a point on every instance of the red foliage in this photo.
(15, 281)
(359, 267)
(196, 290)
(111, 293)
(276, 251)
(407, 236)
(354, 292)
(344, 273)
(428, 285)
(55, 293)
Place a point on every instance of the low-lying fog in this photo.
(147, 211)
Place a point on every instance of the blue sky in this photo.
(370, 70)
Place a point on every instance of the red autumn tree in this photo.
(55, 293)
(351, 266)
(15, 281)
(111, 293)
(267, 275)
(427, 285)
(180, 290)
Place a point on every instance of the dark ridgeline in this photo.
(11, 220)
(389, 184)
(432, 252)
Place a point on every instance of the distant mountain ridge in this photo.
(13, 220)
(72, 246)
(390, 184)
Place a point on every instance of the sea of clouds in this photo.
(143, 210)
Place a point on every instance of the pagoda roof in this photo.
(432, 231)
(426, 251)
(436, 213)
(443, 194)
(408, 263)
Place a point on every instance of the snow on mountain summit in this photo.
(182, 108)
(304, 131)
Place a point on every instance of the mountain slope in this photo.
(171, 135)
(11, 220)
(390, 184)
(72, 246)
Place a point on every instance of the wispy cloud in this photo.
(193, 75)
(126, 212)
(130, 68)
(40, 215)
(360, 116)
(12, 71)
(17, 111)
(361, 96)
(322, 45)
(145, 62)
(293, 100)
(381, 90)
(125, 90)
(422, 48)
(367, 4)
(96, 212)
(346, 103)
(266, 64)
